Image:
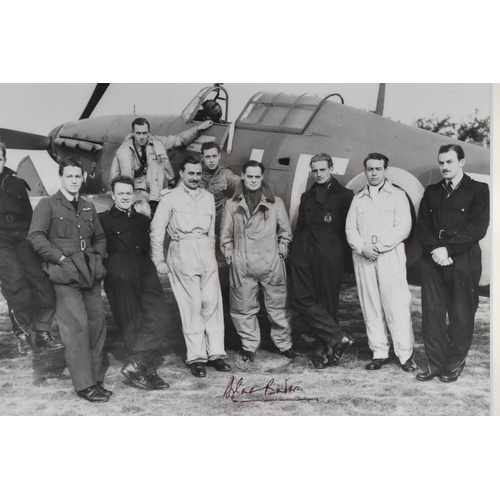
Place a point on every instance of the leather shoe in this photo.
(428, 375)
(409, 365)
(320, 359)
(451, 376)
(220, 365)
(289, 353)
(198, 370)
(157, 382)
(24, 345)
(46, 341)
(136, 374)
(93, 394)
(376, 364)
(340, 349)
(104, 391)
(247, 355)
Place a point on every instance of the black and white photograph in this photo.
(245, 249)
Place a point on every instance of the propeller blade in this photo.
(23, 140)
(99, 90)
(380, 100)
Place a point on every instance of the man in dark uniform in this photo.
(317, 261)
(66, 232)
(27, 289)
(453, 216)
(133, 287)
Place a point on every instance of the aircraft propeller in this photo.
(23, 140)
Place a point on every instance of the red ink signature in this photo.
(234, 389)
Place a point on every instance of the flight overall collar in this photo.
(6, 174)
(465, 181)
(267, 193)
(387, 186)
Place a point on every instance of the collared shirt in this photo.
(455, 182)
(68, 196)
(385, 220)
(184, 213)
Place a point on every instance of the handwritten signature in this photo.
(236, 388)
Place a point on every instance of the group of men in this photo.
(52, 263)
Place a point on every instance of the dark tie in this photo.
(74, 202)
(449, 187)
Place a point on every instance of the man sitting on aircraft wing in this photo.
(144, 157)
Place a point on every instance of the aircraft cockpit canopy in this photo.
(281, 112)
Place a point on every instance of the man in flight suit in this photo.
(317, 261)
(134, 291)
(66, 232)
(144, 157)
(378, 222)
(453, 216)
(188, 214)
(255, 234)
(27, 289)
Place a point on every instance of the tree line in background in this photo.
(475, 130)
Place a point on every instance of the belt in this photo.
(445, 234)
(195, 235)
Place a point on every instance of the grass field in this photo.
(41, 385)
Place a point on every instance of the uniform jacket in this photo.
(221, 184)
(57, 230)
(124, 233)
(325, 213)
(456, 222)
(15, 206)
(253, 242)
(159, 168)
(387, 217)
(184, 217)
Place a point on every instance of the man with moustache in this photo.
(255, 234)
(144, 157)
(317, 261)
(187, 213)
(453, 217)
(134, 291)
(27, 289)
(378, 222)
(66, 232)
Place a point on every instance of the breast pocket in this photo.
(86, 223)
(61, 225)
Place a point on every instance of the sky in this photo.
(38, 108)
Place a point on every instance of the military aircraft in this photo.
(280, 129)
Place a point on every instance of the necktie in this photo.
(74, 202)
(449, 187)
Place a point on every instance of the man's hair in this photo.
(69, 162)
(453, 147)
(3, 147)
(123, 179)
(322, 157)
(140, 121)
(253, 163)
(209, 145)
(189, 159)
(376, 156)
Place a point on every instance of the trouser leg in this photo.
(462, 300)
(396, 301)
(304, 302)
(97, 327)
(212, 311)
(74, 325)
(278, 307)
(43, 299)
(434, 329)
(244, 306)
(15, 288)
(371, 305)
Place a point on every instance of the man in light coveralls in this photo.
(188, 214)
(378, 222)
